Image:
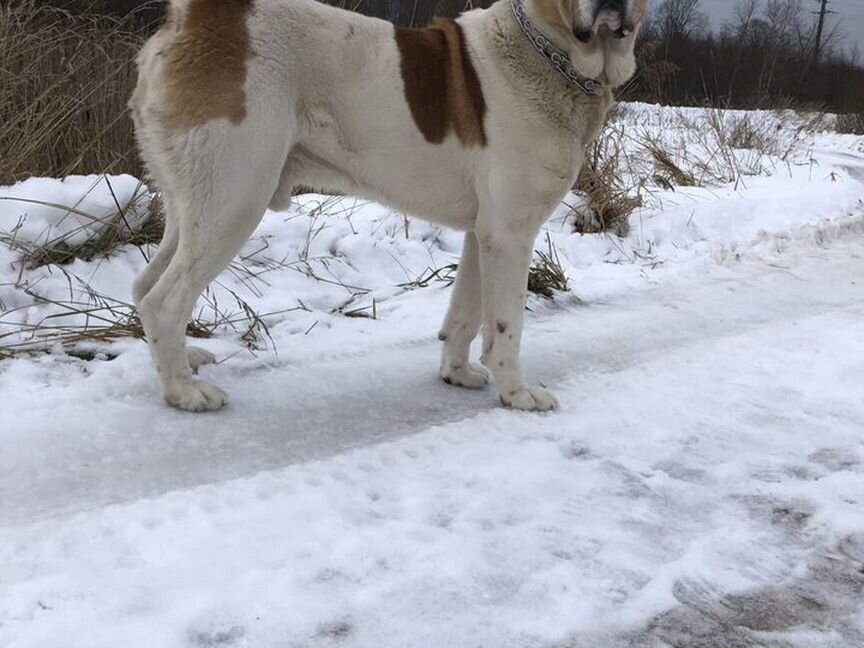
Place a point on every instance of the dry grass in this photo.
(668, 172)
(850, 124)
(98, 320)
(546, 276)
(64, 84)
(106, 234)
(85, 318)
(609, 202)
(691, 148)
(716, 147)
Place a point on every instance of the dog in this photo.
(478, 123)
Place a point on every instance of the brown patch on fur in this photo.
(441, 84)
(205, 64)
(502, 326)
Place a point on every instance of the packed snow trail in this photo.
(109, 438)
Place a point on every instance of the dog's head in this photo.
(600, 34)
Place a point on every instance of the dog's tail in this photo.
(150, 58)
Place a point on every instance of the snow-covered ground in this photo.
(703, 485)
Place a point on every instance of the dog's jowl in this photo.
(479, 124)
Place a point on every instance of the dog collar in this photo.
(555, 56)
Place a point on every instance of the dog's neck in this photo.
(531, 76)
(519, 56)
(547, 48)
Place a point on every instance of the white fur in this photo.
(585, 12)
(326, 110)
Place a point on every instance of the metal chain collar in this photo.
(556, 57)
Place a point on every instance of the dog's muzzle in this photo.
(611, 14)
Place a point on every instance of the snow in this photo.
(702, 485)
(70, 208)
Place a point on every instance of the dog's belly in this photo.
(428, 182)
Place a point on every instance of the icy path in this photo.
(710, 442)
(87, 449)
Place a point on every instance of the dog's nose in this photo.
(610, 5)
(610, 13)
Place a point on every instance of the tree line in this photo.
(765, 56)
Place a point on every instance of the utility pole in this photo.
(817, 48)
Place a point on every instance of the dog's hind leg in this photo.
(167, 247)
(147, 279)
(462, 323)
(203, 252)
(230, 182)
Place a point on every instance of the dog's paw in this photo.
(195, 396)
(199, 357)
(531, 399)
(470, 375)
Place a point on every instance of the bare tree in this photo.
(739, 30)
(679, 20)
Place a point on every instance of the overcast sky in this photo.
(850, 16)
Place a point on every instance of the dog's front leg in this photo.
(506, 246)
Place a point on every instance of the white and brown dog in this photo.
(479, 123)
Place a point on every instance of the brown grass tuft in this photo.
(546, 276)
(64, 83)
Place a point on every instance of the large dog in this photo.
(479, 123)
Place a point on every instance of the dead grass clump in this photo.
(83, 317)
(64, 83)
(668, 172)
(609, 202)
(744, 132)
(715, 147)
(89, 318)
(106, 234)
(546, 275)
